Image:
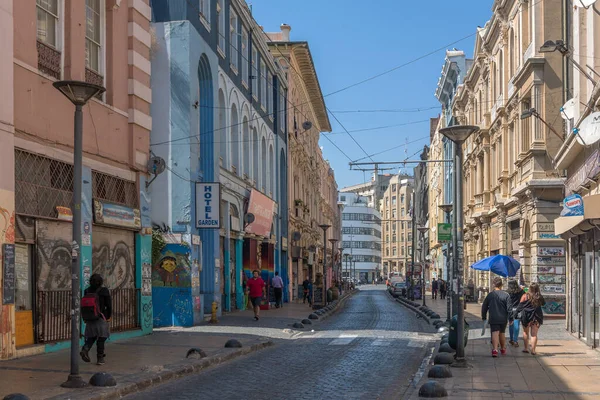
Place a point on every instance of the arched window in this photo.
(263, 157)
(246, 146)
(235, 140)
(222, 130)
(255, 155)
(271, 170)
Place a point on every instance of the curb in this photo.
(415, 309)
(142, 381)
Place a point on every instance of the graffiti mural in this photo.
(54, 255)
(555, 305)
(113, 257)
(173, 307)
(173, 268)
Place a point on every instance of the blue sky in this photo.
(352, 40)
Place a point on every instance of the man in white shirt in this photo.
(277, 283)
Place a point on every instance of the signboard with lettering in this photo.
(8, 275)
(545, 227)
(572, 206)
(318, 296)
(551, 251)
(208, 203)
(116, 215)
(262, 208)
(444, 233)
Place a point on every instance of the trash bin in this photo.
(453, 334)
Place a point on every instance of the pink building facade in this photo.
(105, 42)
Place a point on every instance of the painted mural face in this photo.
(169, 264)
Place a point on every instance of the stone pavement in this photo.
(139, 362)
(564, 367)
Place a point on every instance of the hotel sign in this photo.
(208, 203)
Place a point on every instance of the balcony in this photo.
(528, 53)
(497, 106)
(511, 88)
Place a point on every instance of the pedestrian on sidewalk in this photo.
(442, 289)
(256, 288)
(277, 283)
(498, 304)
(434, 288)
(515, 292)
(307, 286)
(96, 312)
(532, 316)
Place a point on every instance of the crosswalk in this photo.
(346, 340)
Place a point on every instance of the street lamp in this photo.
(422, 230)
(333, 242)
(338, 273)
(458, 134)
(324, 227)
(79, 93)
(550, 46)
(447, 209)
(532, 112)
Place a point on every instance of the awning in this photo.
(573, 226)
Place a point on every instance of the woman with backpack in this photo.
(96, 311)
(516, 292)
(532, 316)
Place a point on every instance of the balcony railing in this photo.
(54, 313)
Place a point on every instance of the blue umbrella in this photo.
(499, 264)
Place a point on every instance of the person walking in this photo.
(277, 283)
(532, 316)
(256, 289)
(434, 288)
(442, 284)
(96, 312)
(515, 292)
(498, 304)
(305, 288)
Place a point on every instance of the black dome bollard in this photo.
(195, 353)
(432, 389)
(102, 379)
(15, 396)
(233, 343)
(445, 348)
(298, 325)
(440, 371)
(313, 316)
(307, 322)
(443, 359)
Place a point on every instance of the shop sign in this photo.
(545, 227)
(550, 261)
(262, 208)
(444, 233)
(547, 235)
(589, 170)
(572, 206)
(116, 215)
(64, 213)
(551, 251)
(208, 204)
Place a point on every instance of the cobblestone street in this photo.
(370, 349)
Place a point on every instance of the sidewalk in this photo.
(137, 363)
(564, 367)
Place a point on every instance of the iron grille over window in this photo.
(114, 190)
(41, 184)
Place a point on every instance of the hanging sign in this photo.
(208, 205)
(444, 233)
(116, 215)
(572, 206)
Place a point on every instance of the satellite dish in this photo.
(249, 218)
(156, 165)
(568, 110)
(306, 125)
(296, 236)
(588, 132)
(584, 3)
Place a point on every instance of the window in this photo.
(387, 201)
(205, 10)
(245, 59)
(394, 213)
(394, 238)
(401, 199)
(255, 76)
(402, 250)
(394, 187)
(47, 22)
(93, 35)
(233, 39)
(394, 251)
(387, 252)
(402, 213)
(263, 84)
(270, 94)
(402, 225)
(282, 110)
(393, 200)
(343, 198)
(221, 26)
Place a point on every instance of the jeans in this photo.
(514, 330)
(89, 342)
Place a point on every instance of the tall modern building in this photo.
(361, 236)
(396, 224)
(372, 190)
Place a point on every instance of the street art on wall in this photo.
(173, 268)
(54, 255)
(7, 226)
(113, 257)
(554, 305)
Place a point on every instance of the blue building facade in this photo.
(219, 117)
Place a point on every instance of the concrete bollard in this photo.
(306, 321)
(432, 389)
(443, 359)
(102, 379)
(445, 348)
(313, 316)
(15, 396)
(440, 372)
(298, 325)
(195, 352)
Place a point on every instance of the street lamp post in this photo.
(422, 230)
(324, 227)
(447, 208)
(333, 242)
(458, 134)
(79, 93)
(340, 279)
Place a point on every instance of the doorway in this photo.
(24, 295)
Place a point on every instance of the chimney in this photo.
(285, 32)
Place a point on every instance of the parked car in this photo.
(399, 289)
